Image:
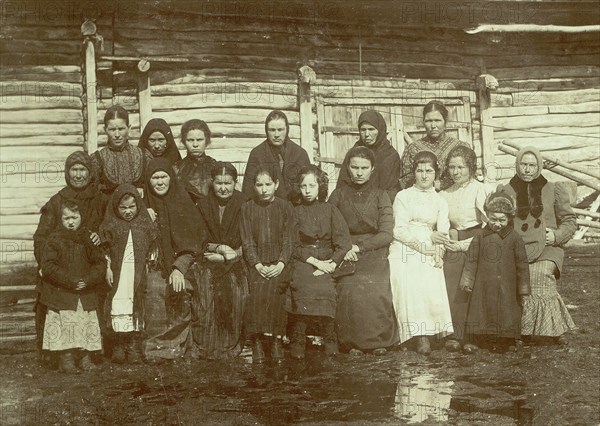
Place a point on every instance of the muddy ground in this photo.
(541, 384)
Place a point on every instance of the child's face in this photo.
(127, 208)
(497, 221)
(117, 131)
(71, 220)
(223, 186)
(265, 187)
(195, 143)
(309, 188)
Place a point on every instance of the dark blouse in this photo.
(268, 231)
(194, 173)
(322, 232)
(368, 213)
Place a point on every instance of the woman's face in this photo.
(195, 143)
(368, 134)
(528, 167)
(157, 142)
(265, 187)
(223, 186)
(160, 181)
(127, 208)
(424, 176)
(117, 131)
(276, 131)
(309, 188)
(435, 125)
(360, 170)
(497, 220)
(458, 170)
(79, 176)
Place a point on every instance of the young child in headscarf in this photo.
(129, 235)
(497, 274)
(71, 267)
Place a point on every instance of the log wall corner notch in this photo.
(306, 77)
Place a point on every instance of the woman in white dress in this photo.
(416, 274)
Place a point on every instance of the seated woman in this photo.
(181, 239)
(223, 286)
(157, 139)
(365, 316)
(118, 162)
(194, 170)
(466, 199)
(418, 285)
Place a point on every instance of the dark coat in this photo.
(67, 258)
(497, 272)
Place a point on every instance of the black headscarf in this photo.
(159, 125)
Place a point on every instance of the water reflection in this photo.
(423, 397)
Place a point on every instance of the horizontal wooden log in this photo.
(385, 101)
(230, 155)
(19, 130)
(519, 111)
(18, 288)
(44, 142)
(552, 143)
(524, 72)
(588, 223)
(546, 131)
(52, 177)
(7, 70)
(19, 232)
(593, 106)
(49, 160)
(43, 116)
(28, 102)
(45, 90)
(501, 100)
(553, 84)
(24, 219)
(541, 121)
(556, 98)
(527, 28)
(192, 84)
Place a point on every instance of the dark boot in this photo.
(276, 350)
(132, 349)
(67, 362)
(258, 354)
(330, 337)
(85, 363)
(118, 349)
(298, 339)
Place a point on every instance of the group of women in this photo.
(380, 261)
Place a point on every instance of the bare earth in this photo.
(541, 384)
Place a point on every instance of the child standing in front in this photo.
(323, 241)
(497, 274)
(129, 234)
(268, 230)
(72, 268)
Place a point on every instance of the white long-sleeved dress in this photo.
(418, 287)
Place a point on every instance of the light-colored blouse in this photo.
(466, 204)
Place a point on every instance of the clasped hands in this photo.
(219, 253)
(271, 271)
(323, 266)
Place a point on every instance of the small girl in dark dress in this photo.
(129, 235)
(497, 274)
(323, 241)
(268, 229)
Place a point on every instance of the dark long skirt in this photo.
(365, 316)
(168, 318)
(309, 294)
(265, 308)
(219, 306)
(454, 263)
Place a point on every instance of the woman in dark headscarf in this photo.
(546, 222)
(158, 140)
(373, 135)
(279, 154)
(223, 286)
(82, 188)
(181, 237)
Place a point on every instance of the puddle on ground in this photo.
(321, 390)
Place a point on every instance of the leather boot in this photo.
(118, 349)
(423, 345)
(298, 339)
(258, 354)
(276, 350)
(329, 337)
(67, 362)
(132, 349)
(85, 363)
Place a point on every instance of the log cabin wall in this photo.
(242, 61)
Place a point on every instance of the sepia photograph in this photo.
(313, 212)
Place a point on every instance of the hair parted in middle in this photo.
(195, 124)
(468, 156)
(322, 180)
(426, 157)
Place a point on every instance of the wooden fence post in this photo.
(88, 30)
(486, 82)
(306, 76)
(144, 95)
